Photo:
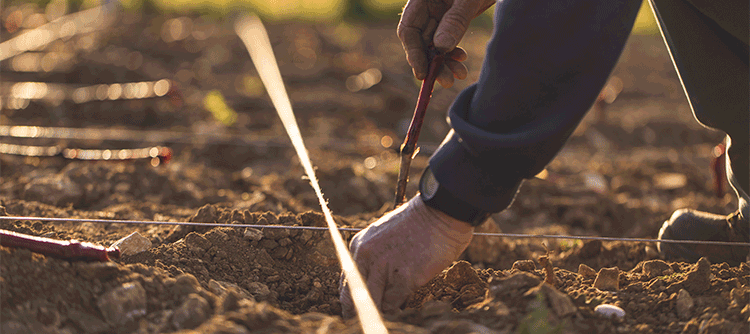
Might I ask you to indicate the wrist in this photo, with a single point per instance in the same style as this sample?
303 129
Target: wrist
436 197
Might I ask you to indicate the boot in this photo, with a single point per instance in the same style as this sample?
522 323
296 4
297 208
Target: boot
686 224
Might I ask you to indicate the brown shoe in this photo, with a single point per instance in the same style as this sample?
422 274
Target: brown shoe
686 224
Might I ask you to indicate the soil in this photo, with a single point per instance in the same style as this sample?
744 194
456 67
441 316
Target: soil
630 164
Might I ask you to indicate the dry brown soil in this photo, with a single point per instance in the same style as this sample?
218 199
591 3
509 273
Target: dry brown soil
622 173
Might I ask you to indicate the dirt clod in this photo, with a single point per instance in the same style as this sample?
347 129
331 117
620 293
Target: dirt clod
586 271
684 304
655 268
193 312
123 304
698 279
524 265
132 244
608 279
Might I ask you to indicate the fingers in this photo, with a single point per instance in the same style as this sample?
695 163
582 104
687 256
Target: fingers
399 288
445 77
457 54
453 25
459 70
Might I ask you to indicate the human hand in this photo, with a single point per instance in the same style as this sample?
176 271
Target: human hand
402 251
443 24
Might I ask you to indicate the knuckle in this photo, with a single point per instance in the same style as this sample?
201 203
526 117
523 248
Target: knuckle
457 22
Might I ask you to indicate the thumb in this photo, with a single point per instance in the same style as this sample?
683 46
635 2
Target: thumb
453 25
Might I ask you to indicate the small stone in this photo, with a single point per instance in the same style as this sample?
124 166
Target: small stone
305 235
698 279
655 268
196 242
285 242
259 290
524 265
608 279
132 244
610 310
460 274
276 233
558 301
586 271
268 244
684 304
279 252
193 312
206 214
123 304
252 234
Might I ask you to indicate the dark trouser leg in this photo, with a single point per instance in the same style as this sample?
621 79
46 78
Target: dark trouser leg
708 42
711 57
545 65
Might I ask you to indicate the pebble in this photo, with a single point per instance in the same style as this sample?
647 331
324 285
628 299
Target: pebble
253 234
684 304
196 242
698 280
132 244
610 310
524 265
608 279
193 312
123 304
460 274
586 271
276 233
259 290
655 268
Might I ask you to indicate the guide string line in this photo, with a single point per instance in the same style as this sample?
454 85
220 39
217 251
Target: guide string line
355 229
252 32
